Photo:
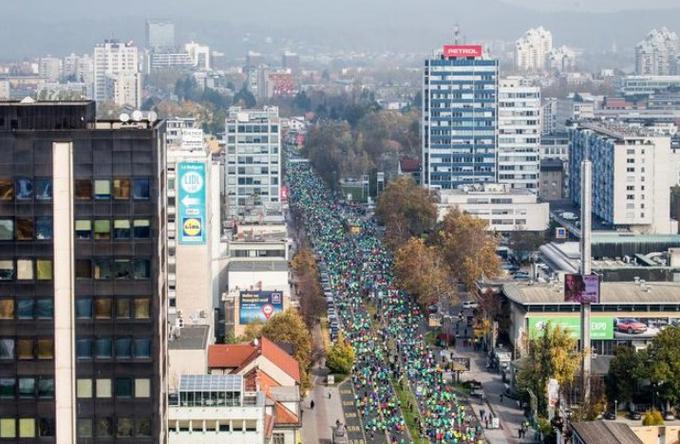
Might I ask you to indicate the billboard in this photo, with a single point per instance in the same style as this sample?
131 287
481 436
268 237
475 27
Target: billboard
582 289
641 327
259 305
191 194
601 327
462 50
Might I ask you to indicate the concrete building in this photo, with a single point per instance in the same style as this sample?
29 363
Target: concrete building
82 303
555 146
647 84
657 54
551 186
532 49
116 74
51 68
167 60
160 36
460 118
291 61
200 56
80 68
253 161
519 133
562 59
503 208
5 91
632 176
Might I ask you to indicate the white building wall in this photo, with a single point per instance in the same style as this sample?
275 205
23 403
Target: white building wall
117 64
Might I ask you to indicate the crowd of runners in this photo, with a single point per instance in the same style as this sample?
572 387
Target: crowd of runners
383 325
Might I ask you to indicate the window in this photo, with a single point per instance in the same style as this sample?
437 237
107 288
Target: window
8 428
43 228
6 229
124 428
83 269
121 188
142 269
24 189
123 348
44 269
44 308
102 268
83 229
25 308
83 189
102 189
144 427
141 188
102 308
46 427
104 427
84 388
121 229
102 229
6 308
24 269
46 388
103 388
25 349
84 348
26 428
123 309
84 308
43 189
6 348
103 348
142 348
121 269
142 388
84 428
123 387
27 388
142 228
142 308
6 270
45 348
24 228
6 189
7 388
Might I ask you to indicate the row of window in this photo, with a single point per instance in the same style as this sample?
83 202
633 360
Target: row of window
118 229
138 188
103 308
26 348
27 387
26 309
105 268
24 188
26 427
104 388
26 270
104 427
108 347
26 228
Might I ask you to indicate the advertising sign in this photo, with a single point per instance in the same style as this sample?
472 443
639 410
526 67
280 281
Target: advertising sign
582 289
641 327
560 233
191 194
601 327
462 50
259 305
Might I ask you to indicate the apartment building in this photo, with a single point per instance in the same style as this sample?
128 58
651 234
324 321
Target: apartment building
116 74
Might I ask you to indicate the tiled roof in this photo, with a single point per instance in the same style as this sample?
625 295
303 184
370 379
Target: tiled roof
283 415
280 358
229 355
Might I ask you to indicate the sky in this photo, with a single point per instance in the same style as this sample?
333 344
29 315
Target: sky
593 5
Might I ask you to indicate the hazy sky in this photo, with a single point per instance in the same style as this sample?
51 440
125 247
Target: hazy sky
593 5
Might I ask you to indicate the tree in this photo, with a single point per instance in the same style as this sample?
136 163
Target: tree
663 356
340 357
551 355
289 327
406 210
245 98
524 243
468 248
653 418
625 370
420 272
252 331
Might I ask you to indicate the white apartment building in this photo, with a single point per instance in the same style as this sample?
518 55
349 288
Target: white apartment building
80 68
253 161
562 59
116 74
199 54
5 92
532 49
657 54
505 209
50 68
519 133
633 173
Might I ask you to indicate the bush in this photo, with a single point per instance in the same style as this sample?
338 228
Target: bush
340 357
652 418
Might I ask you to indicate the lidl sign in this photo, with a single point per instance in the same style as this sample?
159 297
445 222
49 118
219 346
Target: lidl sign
191 194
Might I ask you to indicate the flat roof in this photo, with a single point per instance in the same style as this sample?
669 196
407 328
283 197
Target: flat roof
192 337
45 102
610 293
261 266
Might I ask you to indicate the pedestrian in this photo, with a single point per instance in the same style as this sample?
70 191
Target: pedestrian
311 405
329 395
501 398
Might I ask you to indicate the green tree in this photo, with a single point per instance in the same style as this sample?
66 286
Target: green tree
406 210
290 327
245 98
664 364
468 248
625 370
340 357
524 243
551 355
653 418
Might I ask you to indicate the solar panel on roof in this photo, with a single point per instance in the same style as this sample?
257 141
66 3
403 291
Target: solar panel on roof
211 383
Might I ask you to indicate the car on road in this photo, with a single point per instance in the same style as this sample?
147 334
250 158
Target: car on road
669 416
609 415
630 326
469 305
634 415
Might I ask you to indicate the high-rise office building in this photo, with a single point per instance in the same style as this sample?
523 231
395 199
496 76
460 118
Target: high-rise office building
657 54
81 276
291 61
116 74
519 133
253 161
532 49
460 119
160 36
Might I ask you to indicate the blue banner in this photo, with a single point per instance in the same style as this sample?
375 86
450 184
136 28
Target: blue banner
259 305
192 203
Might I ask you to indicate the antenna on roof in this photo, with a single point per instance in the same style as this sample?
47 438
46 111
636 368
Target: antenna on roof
456 34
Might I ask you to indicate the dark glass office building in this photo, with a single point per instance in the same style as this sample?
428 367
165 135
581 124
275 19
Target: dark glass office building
82 298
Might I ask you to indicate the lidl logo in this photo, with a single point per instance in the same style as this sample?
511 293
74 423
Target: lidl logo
192 227
192 182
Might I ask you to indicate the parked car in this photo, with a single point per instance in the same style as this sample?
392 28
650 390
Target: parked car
634 415
630 326
669 416
609 415
469 305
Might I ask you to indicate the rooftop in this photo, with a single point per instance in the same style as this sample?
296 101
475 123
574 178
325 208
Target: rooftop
211 383
258 266
610 293
618 130
191 337
596 432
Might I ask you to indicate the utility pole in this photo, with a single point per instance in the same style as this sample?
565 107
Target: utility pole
586 258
